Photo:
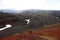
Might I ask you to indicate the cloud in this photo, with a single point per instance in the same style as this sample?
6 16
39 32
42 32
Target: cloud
30 4
53 4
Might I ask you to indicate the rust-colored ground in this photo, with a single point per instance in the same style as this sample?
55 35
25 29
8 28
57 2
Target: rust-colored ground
45 34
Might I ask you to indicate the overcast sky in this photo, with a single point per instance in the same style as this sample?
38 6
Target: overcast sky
30 4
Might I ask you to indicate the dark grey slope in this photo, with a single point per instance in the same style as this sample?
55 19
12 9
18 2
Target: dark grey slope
18 22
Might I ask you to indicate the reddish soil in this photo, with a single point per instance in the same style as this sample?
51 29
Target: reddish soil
50 33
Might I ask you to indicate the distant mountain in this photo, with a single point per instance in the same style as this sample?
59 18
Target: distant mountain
7 10
10 11
55 12
17 11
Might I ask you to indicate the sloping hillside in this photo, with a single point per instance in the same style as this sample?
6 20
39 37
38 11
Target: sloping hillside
45 34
